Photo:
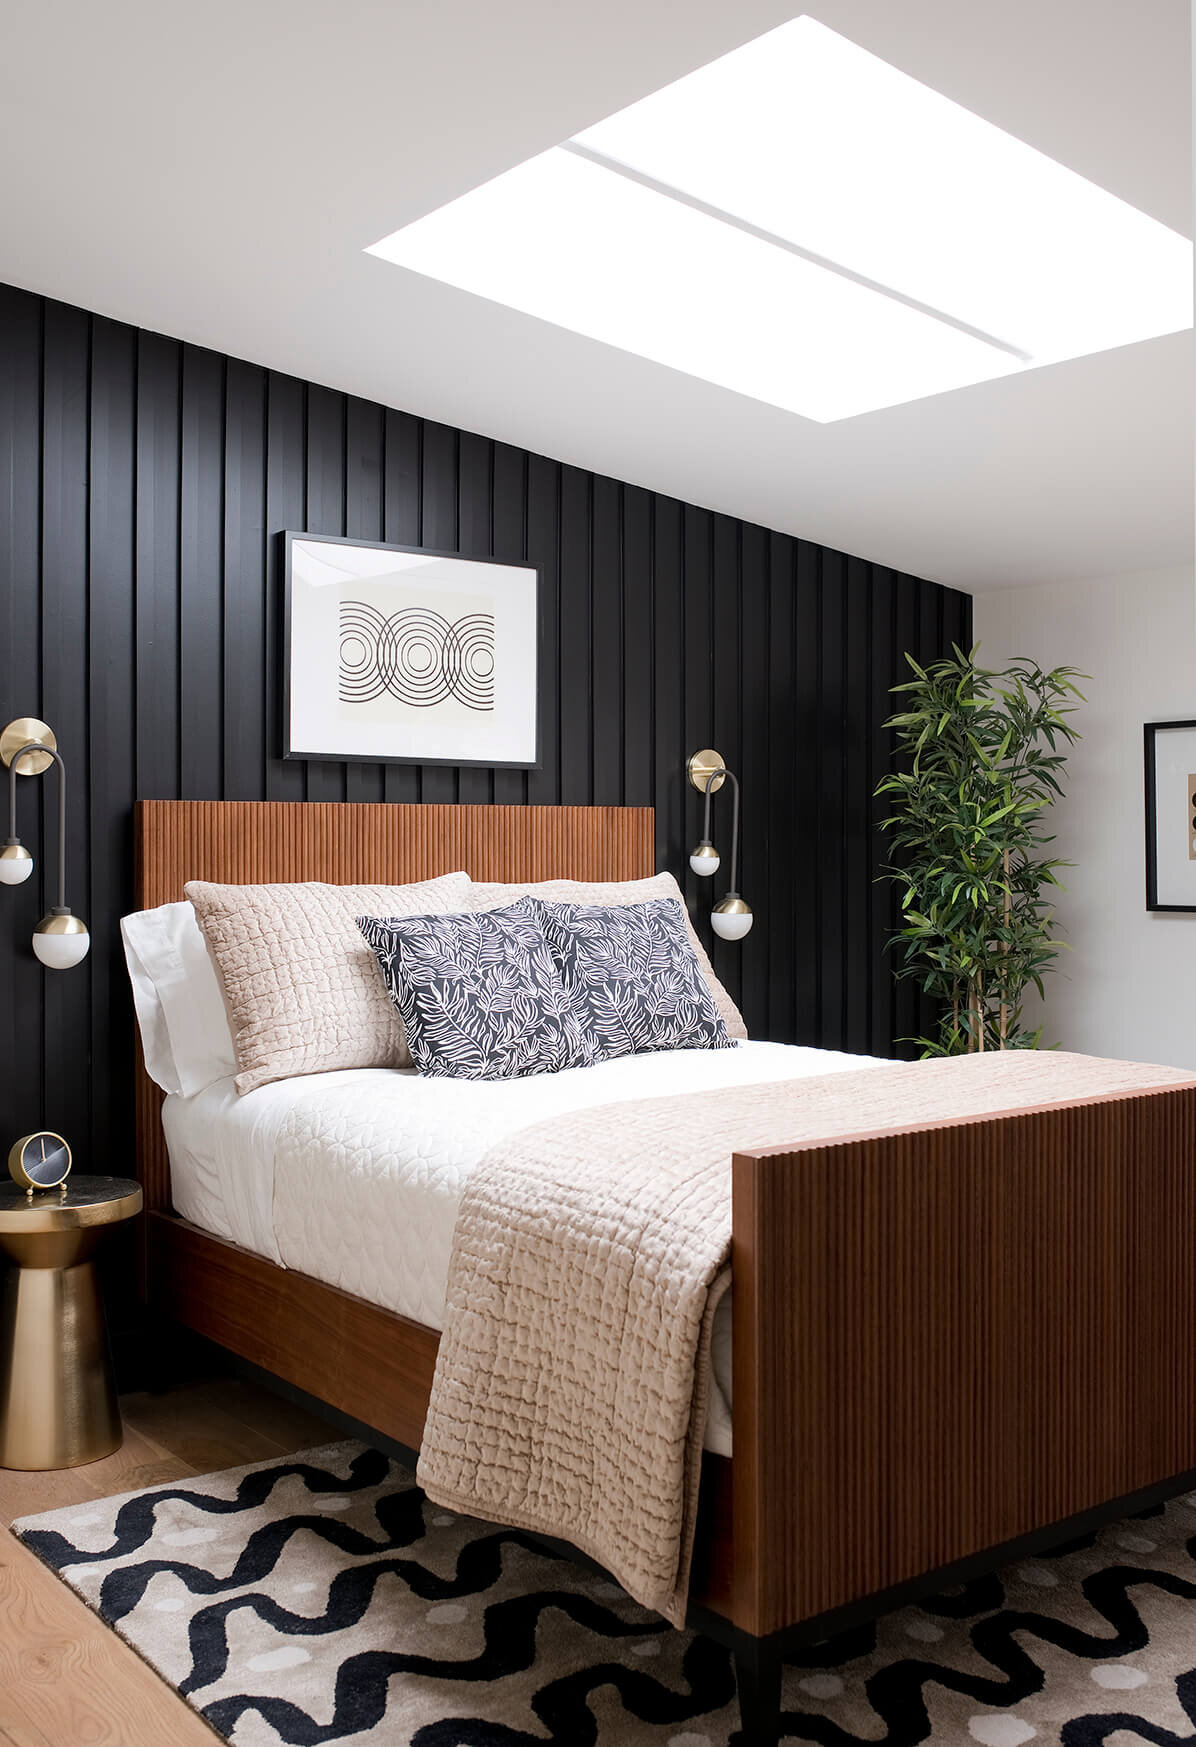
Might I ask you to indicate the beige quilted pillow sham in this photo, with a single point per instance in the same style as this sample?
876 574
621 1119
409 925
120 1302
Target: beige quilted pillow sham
300 984
491 895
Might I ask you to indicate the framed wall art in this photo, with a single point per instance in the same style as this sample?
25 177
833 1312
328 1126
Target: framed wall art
1170 751
401 654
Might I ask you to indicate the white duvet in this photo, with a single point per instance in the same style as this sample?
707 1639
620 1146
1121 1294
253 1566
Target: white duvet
355 1177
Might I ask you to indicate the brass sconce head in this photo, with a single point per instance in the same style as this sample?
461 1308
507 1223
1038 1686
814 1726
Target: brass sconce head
704 858
731 919
16 864
704 765
27 730
60 940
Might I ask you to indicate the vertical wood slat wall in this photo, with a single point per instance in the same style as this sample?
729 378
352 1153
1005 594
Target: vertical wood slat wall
142 483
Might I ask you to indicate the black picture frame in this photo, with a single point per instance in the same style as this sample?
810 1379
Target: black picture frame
287 539
1150 734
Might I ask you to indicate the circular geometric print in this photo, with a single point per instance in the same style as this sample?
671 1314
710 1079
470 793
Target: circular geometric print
416 656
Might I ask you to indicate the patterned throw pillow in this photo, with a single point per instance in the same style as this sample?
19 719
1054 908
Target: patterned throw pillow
634 975
481 995
495 895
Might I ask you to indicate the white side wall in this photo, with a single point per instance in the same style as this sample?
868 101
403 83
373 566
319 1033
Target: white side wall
1127 987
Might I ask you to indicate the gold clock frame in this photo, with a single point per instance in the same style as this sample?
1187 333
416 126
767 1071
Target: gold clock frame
16 1168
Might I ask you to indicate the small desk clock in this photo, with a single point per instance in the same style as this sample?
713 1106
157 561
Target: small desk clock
40 1161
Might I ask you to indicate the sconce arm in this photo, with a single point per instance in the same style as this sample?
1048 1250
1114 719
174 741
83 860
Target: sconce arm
48 752
712 778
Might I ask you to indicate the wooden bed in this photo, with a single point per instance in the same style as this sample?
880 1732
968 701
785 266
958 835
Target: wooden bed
952 1344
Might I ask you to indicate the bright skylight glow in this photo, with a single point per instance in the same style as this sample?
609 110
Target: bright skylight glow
563 239
981 256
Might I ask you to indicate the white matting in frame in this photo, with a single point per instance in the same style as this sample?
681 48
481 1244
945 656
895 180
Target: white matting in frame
1170 749
399 653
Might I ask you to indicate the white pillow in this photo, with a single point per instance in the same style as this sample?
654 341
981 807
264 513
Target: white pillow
185 1032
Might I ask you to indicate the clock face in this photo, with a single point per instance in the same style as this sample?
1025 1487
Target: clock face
40 1160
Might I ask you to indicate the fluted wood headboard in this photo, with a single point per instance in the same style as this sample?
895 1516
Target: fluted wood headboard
358 843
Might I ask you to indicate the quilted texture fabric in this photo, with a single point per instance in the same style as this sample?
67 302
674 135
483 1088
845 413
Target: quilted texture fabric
392 1152
481 995
301 987
492 895
573 1374
636 980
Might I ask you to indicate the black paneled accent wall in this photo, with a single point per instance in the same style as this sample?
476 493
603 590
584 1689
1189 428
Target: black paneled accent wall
142 482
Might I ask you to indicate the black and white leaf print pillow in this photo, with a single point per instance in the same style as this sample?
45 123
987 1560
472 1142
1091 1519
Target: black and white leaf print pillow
635 976
481 996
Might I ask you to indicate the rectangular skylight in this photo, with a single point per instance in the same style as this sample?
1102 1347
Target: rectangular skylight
802 223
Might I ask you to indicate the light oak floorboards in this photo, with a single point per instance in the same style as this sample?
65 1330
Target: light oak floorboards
66 1680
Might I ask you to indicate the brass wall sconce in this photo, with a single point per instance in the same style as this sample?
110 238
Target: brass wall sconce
28 748
730 918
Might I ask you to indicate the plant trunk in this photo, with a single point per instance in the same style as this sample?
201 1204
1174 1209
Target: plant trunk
976 1014
1005 950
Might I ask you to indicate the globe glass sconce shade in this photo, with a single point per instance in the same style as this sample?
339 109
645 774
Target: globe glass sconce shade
61 940
731 919
705 859
16 864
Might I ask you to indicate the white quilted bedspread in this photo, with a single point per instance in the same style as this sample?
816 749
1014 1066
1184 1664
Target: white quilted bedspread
355 1177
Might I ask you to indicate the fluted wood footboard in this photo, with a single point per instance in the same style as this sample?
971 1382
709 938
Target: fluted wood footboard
948 1337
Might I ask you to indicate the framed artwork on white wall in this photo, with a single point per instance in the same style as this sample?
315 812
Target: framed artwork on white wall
1170 752
402 654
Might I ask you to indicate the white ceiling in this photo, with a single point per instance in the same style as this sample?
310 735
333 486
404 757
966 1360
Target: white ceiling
215 172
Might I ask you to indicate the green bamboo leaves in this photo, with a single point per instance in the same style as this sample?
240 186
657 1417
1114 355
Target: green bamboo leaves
978 766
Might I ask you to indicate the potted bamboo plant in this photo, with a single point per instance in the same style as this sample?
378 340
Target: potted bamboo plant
980 761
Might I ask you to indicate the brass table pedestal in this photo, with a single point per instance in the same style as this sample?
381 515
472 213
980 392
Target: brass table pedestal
57 1398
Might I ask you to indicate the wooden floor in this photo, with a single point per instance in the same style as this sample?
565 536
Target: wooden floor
66 1680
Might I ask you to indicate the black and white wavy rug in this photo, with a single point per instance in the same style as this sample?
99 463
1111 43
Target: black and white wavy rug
323 1599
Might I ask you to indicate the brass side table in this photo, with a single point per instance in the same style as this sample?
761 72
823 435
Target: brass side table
57 1397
